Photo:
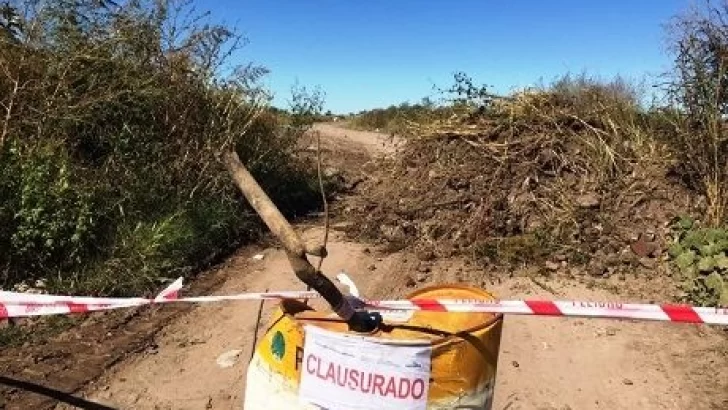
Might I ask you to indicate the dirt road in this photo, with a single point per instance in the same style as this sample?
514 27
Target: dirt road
545 363
374 143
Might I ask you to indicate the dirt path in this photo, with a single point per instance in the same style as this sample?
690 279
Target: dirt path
544 363
374 143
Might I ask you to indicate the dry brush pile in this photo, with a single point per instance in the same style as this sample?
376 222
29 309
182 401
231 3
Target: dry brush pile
573 174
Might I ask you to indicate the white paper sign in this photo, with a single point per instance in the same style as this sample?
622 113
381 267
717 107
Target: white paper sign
348 372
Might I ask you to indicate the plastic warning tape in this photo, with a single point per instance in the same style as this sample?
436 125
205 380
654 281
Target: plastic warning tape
14 304
612 310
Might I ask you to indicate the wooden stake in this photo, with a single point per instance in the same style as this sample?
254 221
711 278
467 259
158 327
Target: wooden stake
295 248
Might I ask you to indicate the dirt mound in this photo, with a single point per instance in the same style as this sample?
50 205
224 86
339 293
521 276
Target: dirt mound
549 184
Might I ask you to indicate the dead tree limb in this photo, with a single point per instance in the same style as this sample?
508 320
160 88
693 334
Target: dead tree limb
295 248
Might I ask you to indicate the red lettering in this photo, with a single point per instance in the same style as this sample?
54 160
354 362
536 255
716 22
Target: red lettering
378 383
308 364
418 389
318 370
32 307
331 373
391 387
353 379
598 305
404 388
341 381
369 383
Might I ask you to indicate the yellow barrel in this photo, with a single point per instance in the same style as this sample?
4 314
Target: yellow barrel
463 349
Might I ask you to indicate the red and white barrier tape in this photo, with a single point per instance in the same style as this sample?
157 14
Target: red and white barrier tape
13 304
611 310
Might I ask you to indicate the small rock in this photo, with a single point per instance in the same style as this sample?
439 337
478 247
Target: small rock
330 172
612 259
627 382
611 331
552 266
425 255
424 267
644 248
367 250
421 277
258 257
590 200
228 359
515 364
648 263
372 267
393 233
410 282
596 268
627 257
560 257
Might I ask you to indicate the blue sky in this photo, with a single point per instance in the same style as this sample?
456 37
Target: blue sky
373 53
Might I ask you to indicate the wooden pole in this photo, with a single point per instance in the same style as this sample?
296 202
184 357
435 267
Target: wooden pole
295 248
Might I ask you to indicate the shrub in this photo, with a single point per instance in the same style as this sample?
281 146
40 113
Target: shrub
699 254
699 92
112 118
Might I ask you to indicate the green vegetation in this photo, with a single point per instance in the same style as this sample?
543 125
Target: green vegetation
396 118
112 118
699 254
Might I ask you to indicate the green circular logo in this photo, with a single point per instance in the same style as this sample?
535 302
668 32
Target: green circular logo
278 346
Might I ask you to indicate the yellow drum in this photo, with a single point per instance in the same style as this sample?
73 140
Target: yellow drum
461 349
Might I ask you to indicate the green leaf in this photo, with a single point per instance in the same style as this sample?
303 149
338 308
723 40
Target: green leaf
710 249
685 223
675 250
724 296
714 282
693 239
723 244
685 259
715 234
721 260
706 264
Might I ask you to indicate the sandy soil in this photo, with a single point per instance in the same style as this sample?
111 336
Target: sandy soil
545 363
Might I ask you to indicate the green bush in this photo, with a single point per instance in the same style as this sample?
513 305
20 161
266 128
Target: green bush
395 118
112 121
699 254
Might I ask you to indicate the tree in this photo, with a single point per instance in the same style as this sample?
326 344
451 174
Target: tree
699 89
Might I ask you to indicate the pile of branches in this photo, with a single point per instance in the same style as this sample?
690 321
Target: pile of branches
559 173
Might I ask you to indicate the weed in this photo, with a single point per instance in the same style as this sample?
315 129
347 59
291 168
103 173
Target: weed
699 254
